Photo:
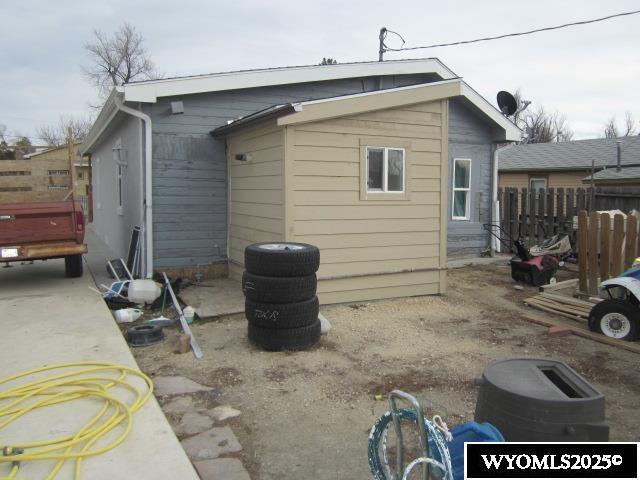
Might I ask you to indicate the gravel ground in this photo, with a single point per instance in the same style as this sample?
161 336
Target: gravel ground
308 414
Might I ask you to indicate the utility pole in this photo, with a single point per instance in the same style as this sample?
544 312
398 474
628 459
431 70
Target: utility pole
381 50
72 165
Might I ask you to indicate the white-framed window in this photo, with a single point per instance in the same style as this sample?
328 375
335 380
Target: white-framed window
385 169
537 183
461 207
120 160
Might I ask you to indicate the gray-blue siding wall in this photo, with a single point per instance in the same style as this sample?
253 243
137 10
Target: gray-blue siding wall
189 166
470 137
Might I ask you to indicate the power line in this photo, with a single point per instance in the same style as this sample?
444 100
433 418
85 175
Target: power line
485 39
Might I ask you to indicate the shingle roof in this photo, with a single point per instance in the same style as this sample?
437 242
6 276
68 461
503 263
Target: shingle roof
573 155
612 173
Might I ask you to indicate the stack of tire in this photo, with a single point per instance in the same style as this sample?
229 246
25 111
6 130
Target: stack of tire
281 305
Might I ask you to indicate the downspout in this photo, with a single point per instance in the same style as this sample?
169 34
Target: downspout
495 206
148 204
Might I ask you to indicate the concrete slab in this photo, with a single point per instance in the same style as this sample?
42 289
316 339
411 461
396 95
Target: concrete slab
49 319
221 468
460 262
167 386
213 298
211 444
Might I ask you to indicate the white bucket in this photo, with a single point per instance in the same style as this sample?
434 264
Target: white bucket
188 313
127 315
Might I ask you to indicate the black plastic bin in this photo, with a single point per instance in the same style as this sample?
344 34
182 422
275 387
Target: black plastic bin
533 400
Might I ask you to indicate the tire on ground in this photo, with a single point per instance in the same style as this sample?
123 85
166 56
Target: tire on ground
278 289
285 339
73 266
282 259
624 308
282 316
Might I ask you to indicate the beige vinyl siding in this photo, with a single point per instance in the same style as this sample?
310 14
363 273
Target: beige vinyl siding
370 249
513 180
256 198
569 179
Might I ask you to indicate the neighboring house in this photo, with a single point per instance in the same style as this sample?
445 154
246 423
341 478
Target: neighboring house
565 164
614 177
154 161
41 176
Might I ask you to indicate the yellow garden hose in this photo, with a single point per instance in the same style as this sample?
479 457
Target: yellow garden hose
70 382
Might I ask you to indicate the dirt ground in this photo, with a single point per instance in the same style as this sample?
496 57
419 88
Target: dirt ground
308 414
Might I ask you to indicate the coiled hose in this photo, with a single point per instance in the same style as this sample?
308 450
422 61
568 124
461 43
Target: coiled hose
70 382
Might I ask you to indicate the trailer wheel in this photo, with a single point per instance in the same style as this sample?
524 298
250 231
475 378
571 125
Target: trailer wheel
73 266
615 318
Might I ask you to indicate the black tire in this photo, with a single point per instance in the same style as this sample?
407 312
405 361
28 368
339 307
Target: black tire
628 315
282 316
73 266
278 289
143 335
285 339
282 259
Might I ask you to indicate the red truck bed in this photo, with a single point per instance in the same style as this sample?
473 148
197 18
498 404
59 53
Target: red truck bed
41 230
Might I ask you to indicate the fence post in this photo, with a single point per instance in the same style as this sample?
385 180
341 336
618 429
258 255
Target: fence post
581 204
540 217
605 246
531 204
583 225
593 253
550 213
618 238
630 244
522 218
560 209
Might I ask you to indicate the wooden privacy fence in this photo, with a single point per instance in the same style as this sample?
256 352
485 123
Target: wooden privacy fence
605 251
536 214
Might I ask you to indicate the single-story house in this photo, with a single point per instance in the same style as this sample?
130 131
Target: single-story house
612 176
357 158
564 164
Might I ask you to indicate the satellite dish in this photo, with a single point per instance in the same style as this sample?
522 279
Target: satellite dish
507 103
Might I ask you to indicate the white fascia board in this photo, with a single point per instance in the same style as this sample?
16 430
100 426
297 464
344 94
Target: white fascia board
325 108
512 132
109 110
149 91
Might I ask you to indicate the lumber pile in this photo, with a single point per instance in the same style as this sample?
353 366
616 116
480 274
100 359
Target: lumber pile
563 305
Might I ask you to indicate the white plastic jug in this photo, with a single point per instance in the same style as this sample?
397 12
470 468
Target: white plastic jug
143 291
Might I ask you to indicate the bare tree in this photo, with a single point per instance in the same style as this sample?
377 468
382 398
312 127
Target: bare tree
56 135
22 146
539 125
611 127
6 153
118 59
543 127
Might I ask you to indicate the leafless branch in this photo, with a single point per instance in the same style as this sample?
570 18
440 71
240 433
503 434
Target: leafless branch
118 59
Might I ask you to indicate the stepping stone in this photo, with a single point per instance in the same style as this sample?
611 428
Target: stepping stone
165 386
211 444
193 422
223 412
179 405
221 468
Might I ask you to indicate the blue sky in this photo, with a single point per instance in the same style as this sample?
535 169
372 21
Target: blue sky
589 73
